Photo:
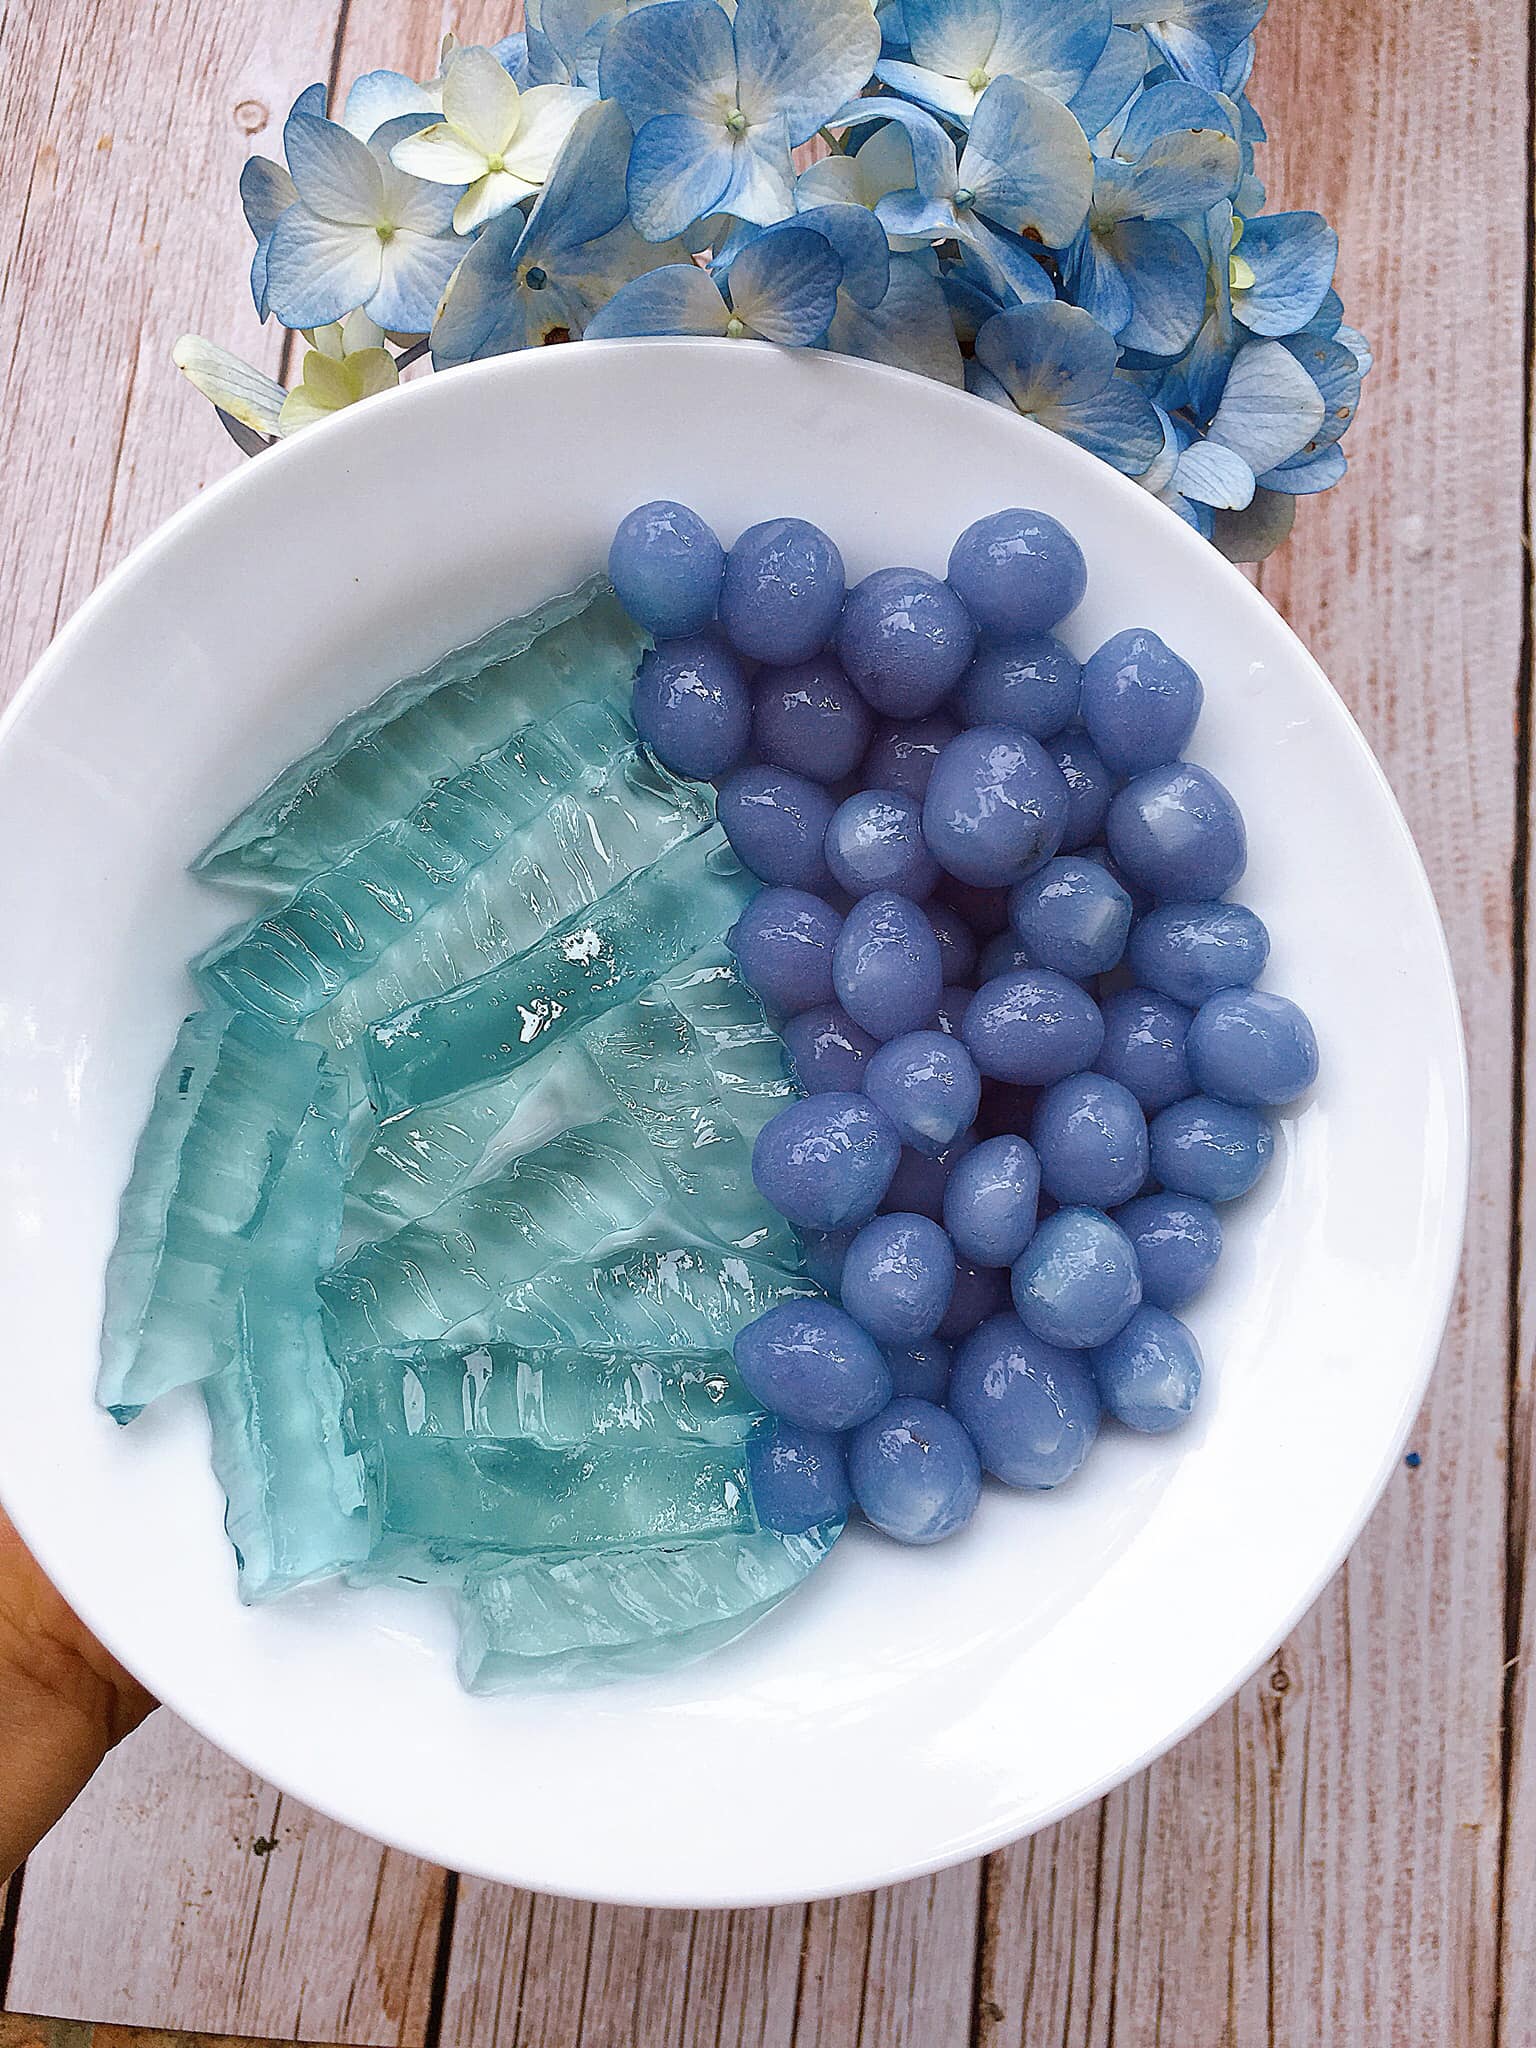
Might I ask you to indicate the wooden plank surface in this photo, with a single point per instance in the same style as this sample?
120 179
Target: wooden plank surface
1322 1863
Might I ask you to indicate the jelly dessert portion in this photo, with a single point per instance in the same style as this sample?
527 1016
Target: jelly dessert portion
585 1620
375 766
584 843
493 1393
228 1106
655 1295
724 1072
453 1272
434 1501
446 1200
585 966
296 1507
295 958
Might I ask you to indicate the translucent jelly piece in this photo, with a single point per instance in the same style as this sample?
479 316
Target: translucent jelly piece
294 960
378 764
294 1489
553 1622
450 1273
415 1162
581 845
654 1296
434 1501
228 1104
743 1051
496 1392
585 966
650 1056
423 1157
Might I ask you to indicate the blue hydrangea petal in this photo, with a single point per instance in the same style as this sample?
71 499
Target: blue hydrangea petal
909 328
311 101
336 176
413 275
1326 319
1028 163
954 98
1166 277
913 217
1007 263
981 383
1166 108
1195 36
511 53
1095 281
546 66
380 96
952 37
675 58
1159 473
802 62
1118 424
1256 531
1048 356
1053 44
1270 408
484 312
784 286
576 31
679 167
1111 85
585 194
677 299
891 18
971 296
933 154
1308 474
1237 69
1214 475
406 201
320 270
859 243
761 187
1333 369
1358 346
266 193
1200 517
1176 177
1292 257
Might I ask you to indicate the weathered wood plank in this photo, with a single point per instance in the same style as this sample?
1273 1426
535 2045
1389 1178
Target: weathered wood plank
1517 1933
878 1971
1319 1863
147 1905
184 1890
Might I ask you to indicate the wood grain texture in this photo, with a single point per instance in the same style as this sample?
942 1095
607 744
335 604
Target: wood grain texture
182 1889
1319 1864
883 1970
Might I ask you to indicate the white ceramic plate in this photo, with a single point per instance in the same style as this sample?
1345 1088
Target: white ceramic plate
908 1708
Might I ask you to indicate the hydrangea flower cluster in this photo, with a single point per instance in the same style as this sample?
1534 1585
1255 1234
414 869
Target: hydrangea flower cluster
1050 203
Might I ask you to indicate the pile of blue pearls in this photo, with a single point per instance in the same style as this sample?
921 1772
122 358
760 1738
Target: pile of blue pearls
996 936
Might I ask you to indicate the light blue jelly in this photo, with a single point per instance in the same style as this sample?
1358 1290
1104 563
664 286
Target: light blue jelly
450 1274
227 1107
582 845
497 1393
587 965
294 1488
553 1622
377 765
293 960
